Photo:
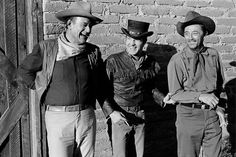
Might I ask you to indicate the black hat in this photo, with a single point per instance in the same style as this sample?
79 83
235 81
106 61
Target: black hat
80 9
193 17
137 29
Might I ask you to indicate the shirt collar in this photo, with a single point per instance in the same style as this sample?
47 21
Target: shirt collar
138 63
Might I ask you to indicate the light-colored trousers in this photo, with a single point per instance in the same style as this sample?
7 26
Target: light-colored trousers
121 135
70 133
196 128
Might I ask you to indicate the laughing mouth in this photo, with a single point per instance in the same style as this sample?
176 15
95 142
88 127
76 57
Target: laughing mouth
192 43
85 35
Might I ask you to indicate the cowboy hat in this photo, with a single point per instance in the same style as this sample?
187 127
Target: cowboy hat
137 29
81 9
193 17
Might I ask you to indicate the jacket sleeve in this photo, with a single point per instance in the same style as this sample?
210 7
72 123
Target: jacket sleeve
175 72
30 66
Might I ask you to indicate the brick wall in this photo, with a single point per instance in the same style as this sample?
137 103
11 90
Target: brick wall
163 15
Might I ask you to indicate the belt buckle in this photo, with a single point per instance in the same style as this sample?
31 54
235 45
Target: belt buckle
193 105
72 108
55 108
203 106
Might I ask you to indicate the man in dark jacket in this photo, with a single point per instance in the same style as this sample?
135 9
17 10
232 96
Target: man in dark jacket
132 75
68 75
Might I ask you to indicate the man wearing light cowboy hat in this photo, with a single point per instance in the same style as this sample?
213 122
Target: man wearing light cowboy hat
68 75
195 79
132 75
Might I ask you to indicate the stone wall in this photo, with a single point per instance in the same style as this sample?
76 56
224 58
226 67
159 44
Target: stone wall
163 16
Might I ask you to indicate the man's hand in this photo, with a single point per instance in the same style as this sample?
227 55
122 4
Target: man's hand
168 100
117 116
158 97
209 99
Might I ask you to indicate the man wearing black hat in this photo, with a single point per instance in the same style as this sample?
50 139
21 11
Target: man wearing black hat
68 75
195 78
132 75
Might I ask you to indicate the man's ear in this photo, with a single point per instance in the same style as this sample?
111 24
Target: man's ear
68 22
145 47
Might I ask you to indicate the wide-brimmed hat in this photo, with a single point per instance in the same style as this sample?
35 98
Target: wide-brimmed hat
137 29
193 17
81 9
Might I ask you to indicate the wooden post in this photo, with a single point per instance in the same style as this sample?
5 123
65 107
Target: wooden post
34 28
30 44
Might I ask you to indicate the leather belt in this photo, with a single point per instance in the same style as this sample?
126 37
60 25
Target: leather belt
72 108
196 105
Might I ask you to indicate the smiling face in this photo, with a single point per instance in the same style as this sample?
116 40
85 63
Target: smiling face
194 35
78 30
134 46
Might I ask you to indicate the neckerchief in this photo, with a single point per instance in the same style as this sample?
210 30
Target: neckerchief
198 59
67 49
138 62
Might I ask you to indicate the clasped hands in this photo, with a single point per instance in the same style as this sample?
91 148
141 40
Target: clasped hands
209 99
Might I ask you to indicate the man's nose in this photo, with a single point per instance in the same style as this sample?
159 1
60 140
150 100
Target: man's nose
189 37
88 29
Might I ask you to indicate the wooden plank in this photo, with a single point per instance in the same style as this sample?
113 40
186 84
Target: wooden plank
25 128
15 141
35 34
22 52
34 136
2 28
3 91
4 105
10 119
11 45
10 21
21 30
5 148
40 19
32 36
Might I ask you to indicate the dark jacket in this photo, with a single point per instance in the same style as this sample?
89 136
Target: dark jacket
40 77
131 86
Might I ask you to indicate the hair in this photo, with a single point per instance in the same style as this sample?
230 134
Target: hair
69 20
144 39
203 29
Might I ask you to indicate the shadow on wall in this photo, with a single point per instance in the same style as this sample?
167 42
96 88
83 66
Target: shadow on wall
160 135
162 53
230 88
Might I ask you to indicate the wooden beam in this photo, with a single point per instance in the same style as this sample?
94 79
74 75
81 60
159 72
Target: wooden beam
25 140
30 36
2 28
21 30
12 116
34 29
